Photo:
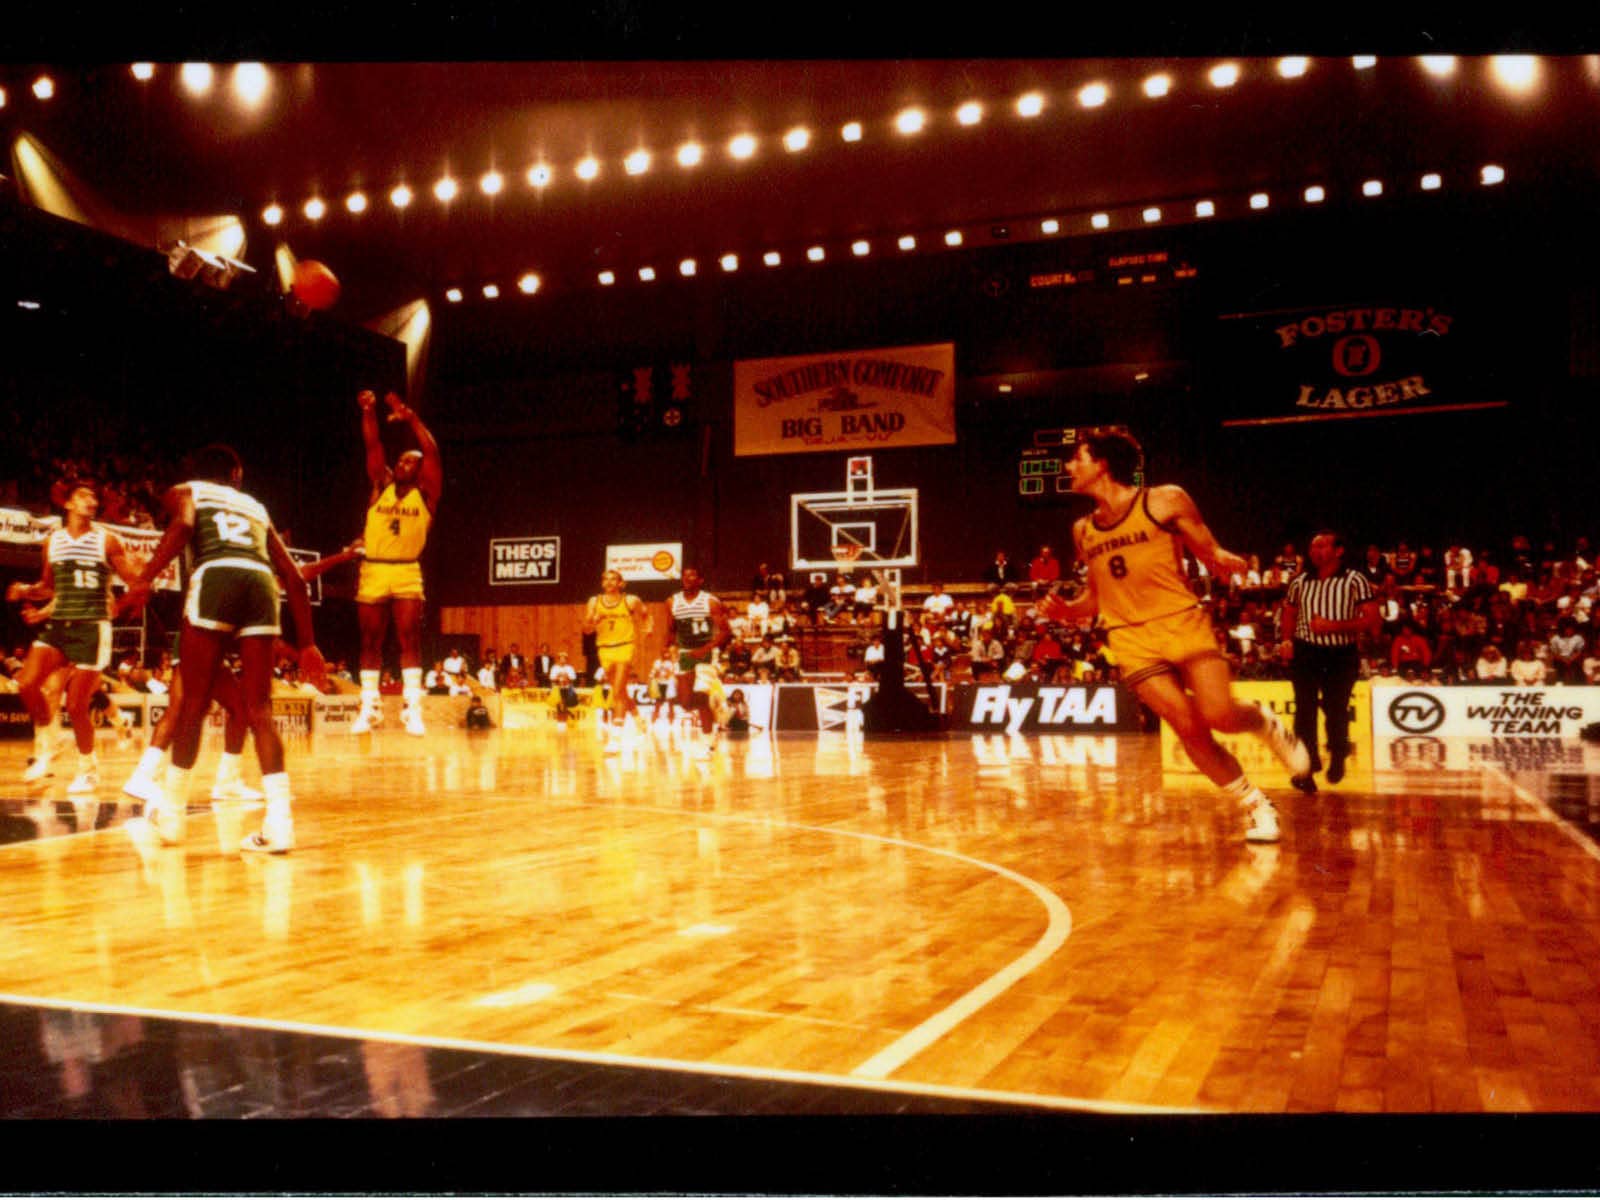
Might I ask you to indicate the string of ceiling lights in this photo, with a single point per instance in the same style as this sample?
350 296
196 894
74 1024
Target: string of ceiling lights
251 82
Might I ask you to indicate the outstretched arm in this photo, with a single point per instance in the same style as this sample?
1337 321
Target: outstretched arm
647 626
45 589
431 478
310 570
1170 505
299 597
179 503
377 468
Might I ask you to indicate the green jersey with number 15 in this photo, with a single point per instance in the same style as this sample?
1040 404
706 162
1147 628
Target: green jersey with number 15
228 524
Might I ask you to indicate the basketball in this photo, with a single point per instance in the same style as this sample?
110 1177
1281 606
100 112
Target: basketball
314 285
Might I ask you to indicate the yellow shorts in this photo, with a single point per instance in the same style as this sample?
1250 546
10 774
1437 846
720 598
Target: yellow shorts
382 581
1163 644
610 656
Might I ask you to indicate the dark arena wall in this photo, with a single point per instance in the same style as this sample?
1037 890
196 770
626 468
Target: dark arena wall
527 398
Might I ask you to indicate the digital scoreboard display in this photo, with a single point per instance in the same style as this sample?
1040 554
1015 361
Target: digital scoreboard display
1042 467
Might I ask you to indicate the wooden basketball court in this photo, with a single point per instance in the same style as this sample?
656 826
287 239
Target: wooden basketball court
1056 923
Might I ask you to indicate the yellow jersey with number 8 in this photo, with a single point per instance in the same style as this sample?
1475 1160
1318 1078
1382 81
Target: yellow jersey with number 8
1136 566
397 526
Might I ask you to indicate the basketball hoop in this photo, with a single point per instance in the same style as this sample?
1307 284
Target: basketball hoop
846 552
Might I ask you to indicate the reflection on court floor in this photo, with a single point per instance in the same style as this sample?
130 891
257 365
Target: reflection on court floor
818 923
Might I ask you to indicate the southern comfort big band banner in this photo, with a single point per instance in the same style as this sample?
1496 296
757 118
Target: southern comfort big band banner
852 400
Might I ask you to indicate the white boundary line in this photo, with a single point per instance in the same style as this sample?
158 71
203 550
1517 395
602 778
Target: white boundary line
897 1054
598 1058
1551 815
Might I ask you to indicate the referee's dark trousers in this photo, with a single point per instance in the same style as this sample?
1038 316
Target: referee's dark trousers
1327 674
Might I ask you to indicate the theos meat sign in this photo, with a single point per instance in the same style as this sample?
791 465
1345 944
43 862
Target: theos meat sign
1360 360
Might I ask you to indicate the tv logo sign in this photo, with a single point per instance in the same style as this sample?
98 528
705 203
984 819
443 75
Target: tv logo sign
1416 712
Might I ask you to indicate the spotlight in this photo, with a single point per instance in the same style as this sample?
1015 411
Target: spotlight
1515 72
356 202
1372 187
1050 226
1157 86
607 278
908 242
491 291
688 267
1316 194
400 196
453 295
196 78
1205 208
1093 95
772 258
1440 66
743 146
588 168
144 72
1100 220
969 113
851 132
646 274
492 183
1152 215
1257 201
637 163
796 139
729 262
1224 75
445 190
953 238
690 153
1294 67
910 121
250 83
1030 105
539 176
44 87
1431 183
1492 175
272 214
315 209
861 249
1364 62
528 284
816 254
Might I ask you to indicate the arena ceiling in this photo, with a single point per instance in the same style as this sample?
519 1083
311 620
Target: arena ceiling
1106 145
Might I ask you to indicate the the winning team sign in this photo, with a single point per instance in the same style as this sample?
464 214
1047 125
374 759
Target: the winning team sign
657 560
853 400
524 560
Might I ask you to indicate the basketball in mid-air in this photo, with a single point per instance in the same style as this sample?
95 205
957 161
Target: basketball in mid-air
314 285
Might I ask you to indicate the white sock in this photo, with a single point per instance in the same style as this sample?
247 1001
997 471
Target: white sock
369 689
411 685
149 763
87 762
1242 790
276 786
228 768
41 742
177 788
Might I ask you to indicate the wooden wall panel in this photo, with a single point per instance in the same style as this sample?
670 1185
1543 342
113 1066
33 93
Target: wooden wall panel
533 625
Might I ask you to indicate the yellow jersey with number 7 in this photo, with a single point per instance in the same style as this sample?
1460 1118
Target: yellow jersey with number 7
397 526
1135 565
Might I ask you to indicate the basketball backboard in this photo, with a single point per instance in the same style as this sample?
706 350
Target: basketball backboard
862 526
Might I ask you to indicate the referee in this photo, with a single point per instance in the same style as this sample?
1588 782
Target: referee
1326 609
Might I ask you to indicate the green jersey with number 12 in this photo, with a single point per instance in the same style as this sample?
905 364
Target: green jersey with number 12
228 524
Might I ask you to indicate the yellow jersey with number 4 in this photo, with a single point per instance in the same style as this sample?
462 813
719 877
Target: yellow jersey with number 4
397 526
1135 565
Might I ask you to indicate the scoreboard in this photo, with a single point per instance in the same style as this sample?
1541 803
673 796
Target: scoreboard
1042 467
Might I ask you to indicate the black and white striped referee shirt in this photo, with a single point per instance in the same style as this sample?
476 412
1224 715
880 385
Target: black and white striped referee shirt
1335 598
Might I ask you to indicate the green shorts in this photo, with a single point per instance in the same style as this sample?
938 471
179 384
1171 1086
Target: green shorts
234 596
85 644
688 662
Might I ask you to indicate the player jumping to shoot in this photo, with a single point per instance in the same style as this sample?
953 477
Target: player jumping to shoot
1133 545
400 510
